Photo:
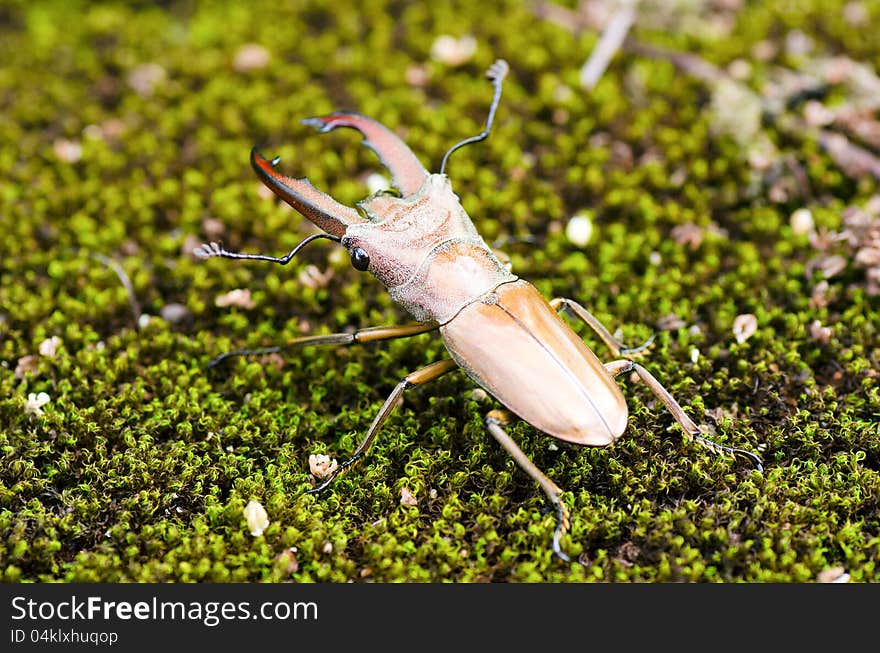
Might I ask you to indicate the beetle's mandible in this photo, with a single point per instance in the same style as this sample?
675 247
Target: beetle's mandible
496 327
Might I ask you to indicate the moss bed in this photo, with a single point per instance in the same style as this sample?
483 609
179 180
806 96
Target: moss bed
124 138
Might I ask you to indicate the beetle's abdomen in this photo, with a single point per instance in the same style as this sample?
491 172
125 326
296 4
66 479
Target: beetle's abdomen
517 347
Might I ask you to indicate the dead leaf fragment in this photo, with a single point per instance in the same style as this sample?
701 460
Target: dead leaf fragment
830 266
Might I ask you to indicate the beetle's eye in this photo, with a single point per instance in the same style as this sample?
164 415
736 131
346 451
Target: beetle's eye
360 259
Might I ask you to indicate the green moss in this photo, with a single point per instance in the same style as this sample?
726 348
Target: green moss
142 462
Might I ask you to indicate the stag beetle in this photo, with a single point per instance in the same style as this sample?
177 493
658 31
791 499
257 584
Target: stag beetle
496 327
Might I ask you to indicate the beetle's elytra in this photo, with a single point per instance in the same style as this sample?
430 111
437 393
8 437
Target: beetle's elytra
496 327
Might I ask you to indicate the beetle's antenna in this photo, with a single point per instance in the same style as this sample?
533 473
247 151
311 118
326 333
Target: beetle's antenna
497 71
208 250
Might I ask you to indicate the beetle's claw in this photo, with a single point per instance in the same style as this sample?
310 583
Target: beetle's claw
407 172
498 70
635 351
323 486
321 124
320 208
208 250
214 362
562 525
720 448
753 458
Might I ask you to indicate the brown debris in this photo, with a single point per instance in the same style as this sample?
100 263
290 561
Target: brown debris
240 297
287 561
858 242
145 78
820 333
312 277
688 234
854 160
251 56
670 322
407 498
26 365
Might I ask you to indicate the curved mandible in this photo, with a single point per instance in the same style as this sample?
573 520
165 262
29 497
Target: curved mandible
407 172
320 208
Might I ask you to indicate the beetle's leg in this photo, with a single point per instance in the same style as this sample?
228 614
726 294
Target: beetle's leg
369 334
212 249
616 368
617 348
496 74
417 378
407 172
494 420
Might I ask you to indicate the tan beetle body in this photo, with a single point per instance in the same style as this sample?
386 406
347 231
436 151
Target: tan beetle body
496 327
500 330
516 346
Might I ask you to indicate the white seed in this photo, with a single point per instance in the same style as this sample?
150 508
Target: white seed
251 56
833 575
452 51
49 346
257 518
802 222
35 402
67 150
744 327
579 229
145 78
